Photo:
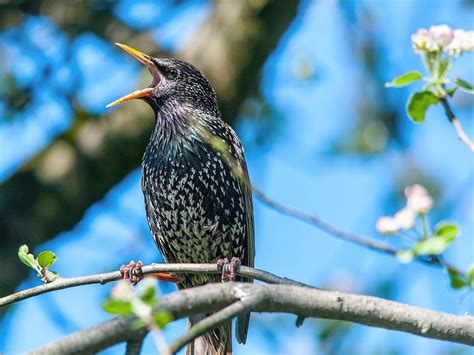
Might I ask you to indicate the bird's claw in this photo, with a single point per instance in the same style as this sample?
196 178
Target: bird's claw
229 268
132 272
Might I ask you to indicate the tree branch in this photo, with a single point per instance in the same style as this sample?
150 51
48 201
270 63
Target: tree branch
347 236
229 312
134 346
104 278
301 301
457 125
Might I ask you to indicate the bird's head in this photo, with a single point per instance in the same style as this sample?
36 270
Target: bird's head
175 83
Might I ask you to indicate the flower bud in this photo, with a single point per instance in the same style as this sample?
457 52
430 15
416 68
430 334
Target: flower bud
414 190
420 40
387 225
405 218
418 199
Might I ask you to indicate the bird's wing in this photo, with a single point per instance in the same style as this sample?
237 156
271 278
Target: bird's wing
233 155
242 324
247 189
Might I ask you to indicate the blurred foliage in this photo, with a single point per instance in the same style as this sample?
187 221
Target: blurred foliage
16 98
378 121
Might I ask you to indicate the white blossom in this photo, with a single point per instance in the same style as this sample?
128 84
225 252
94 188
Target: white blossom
420 40
468 41
463 41
443 38
122 291
142 310
405 218
387 225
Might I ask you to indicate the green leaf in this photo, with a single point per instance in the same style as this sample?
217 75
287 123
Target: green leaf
116 306
434 245
162 319
418 103
46 259
405 256
404 79
451 91
137 324
447 231
28 259
455 281
23 249
148 295
463 85
470 273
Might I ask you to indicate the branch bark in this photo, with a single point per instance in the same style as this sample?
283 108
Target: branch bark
229 312
104 278
134 346
298 300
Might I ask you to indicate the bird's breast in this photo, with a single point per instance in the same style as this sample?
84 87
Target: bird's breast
194 205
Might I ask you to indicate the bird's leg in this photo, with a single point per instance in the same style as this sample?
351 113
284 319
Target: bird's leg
229 268
222 265
234 267
132 271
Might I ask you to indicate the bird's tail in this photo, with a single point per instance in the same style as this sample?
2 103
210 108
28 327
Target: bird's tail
215 342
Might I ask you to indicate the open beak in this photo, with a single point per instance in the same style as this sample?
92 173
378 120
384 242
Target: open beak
145 59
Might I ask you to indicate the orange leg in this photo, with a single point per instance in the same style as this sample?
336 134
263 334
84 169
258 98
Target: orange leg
167 277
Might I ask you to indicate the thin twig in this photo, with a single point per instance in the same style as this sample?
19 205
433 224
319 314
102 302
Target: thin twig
457 125
341 234
63 283
160 341
212 321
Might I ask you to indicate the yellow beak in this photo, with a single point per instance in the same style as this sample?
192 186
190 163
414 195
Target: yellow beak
142 58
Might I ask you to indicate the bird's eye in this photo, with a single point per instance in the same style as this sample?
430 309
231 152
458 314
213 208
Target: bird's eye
172 73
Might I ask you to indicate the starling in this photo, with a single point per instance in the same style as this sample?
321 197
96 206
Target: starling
195 183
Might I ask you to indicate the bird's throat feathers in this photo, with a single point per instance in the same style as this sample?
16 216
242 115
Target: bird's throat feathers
178 132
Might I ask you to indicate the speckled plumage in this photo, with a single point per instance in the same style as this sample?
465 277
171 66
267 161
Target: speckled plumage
195 183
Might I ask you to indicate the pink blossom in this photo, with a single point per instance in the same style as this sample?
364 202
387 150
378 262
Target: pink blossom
441 35
414 190
418 199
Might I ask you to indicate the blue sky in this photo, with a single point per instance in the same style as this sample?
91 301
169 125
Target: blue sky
346 190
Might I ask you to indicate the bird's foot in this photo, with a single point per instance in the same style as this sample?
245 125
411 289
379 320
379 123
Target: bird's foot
228 268
132 272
